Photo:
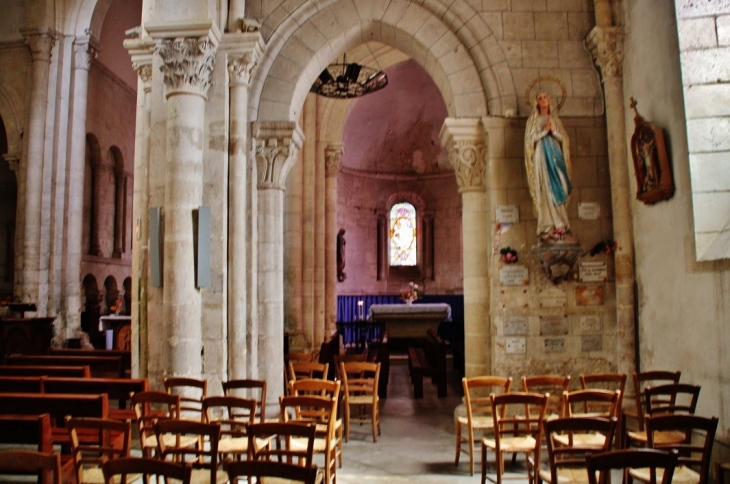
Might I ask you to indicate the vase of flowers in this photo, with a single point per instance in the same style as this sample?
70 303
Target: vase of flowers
409 293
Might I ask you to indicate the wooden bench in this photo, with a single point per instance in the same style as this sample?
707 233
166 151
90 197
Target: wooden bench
418 368
436 350
100 366
27 430
125 355
118 389
44 370
57 406
21 384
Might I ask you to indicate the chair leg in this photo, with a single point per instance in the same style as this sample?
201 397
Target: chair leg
471 452
347 423
484 463
458 444
374 423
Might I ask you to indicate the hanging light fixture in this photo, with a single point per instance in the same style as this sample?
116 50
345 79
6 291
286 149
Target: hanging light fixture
345 81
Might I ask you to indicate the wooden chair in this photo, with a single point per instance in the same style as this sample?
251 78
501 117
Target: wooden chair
566 454
694 453
192 392
721 468
360 380
307 369
172 436
578 403
673 398
25 462
272 441
478 418
314 410
600 465
517 430
134 466
555 385
94 441
612 382
641 380
323 388
248 388
233 415
149 407
261 469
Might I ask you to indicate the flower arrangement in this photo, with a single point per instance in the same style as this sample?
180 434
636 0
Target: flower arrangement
117 306
508 255
409 293
607 246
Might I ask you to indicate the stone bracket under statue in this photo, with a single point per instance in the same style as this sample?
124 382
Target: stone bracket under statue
557 258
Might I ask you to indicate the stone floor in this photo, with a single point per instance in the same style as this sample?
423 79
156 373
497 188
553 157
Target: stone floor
417 439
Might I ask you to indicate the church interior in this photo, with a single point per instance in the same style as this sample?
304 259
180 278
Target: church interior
208 187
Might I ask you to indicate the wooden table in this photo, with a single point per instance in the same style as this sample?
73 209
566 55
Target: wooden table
410 321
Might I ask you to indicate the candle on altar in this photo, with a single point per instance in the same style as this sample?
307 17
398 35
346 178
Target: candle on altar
360 309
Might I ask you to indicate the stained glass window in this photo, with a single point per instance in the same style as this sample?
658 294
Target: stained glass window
403 235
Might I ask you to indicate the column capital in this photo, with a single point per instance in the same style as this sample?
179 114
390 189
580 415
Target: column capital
332 158
187 64
41 42
276 146
465 140
13 161
84 52
140 50
244 51
607 48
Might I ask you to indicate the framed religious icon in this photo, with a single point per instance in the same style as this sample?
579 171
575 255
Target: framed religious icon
654 181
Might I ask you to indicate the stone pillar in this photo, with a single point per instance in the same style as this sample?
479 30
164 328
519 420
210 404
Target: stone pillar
187 66
41 44
83 53
120 182
242 58
606 45
332 157
465 141
276 146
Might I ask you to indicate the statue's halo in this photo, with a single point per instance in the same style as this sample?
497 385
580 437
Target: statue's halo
552 85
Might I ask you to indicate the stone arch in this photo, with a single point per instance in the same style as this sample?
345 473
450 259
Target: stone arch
90 313
316 32
114 155
8 209
127 285
111 292
10 107
92 166
87 16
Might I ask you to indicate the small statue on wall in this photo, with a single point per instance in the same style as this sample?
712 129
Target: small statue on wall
651 165
341 276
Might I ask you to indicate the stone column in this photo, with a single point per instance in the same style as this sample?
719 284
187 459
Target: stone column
241 62
465 141
83 53
187 66
41 44
606 45
276 146
119 184
332 157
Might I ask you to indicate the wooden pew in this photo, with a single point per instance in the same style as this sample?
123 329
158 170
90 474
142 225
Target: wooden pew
44 370
435 349
117 389
125 355
27 430
100 366
21 384
57 406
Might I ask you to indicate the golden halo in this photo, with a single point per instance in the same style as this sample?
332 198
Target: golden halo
549 84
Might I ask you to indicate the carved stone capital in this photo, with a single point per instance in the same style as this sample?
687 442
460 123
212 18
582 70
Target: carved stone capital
465 141
607 48
240 68
13 161
332 157
41 44
144 71
276 147
187 64
84 51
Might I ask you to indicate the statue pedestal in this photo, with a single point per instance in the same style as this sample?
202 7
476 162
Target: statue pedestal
557 259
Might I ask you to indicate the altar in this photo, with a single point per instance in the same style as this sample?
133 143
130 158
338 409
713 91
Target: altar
117 331
410 321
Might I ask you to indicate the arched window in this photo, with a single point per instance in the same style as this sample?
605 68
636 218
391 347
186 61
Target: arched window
403 235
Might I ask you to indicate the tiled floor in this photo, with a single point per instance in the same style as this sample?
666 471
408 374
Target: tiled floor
417 442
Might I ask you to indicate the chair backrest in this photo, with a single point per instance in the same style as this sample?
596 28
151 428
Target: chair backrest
671 398
573 455
555 385
151 406
519 414
693 452
96 440
650 378
248 388
347 358
232 414
192 392
315 387
171 443
477 394
628 459
271 441
360 378
134 466
261 469
604 381
593 403
23 462
307 369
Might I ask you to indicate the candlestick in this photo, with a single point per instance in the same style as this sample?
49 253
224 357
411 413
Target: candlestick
360 309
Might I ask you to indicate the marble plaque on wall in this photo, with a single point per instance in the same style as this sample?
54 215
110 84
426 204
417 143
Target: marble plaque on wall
593 271
589 211
589 295
515 346
508 214
515 325
553 325
590 324
553 298
591 342
554 345
514 275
